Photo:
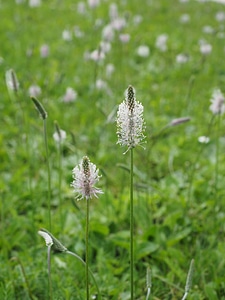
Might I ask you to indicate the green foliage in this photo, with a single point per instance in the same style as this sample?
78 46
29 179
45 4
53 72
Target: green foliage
179 205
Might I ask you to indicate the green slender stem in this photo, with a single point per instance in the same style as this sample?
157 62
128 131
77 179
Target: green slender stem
87 250
148 282
131 228
49 274
49 174
217 155
60 183
187 98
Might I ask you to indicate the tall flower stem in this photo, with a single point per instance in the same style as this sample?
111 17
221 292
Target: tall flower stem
49 173
131 227
60 184
49 273
43 115
87 249
217 154
130 126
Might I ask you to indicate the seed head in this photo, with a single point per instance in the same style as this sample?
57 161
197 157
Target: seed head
130 123
11 80
85 176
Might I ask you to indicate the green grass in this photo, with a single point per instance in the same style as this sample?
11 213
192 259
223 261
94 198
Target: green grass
173 224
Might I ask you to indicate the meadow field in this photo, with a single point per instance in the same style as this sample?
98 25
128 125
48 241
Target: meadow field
77 58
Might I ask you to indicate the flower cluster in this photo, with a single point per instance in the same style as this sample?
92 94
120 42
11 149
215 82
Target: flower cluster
217 107
85 176
130 123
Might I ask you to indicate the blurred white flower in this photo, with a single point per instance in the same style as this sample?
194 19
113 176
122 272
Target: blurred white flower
220 16
182 58
113 11
48 239
93 3
207 29
70 95
34 3
108 33
97 55
105 46
179 121
185 18
124 38
203 139
118 23
137 19
130 123
59 136
98 23
44 51
34 90
85 176
143 51
81 8
109 69
217 102
205 48
67 35
101 84
161 42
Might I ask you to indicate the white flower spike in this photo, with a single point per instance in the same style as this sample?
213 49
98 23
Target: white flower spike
47 238
218 103
85 176
130 123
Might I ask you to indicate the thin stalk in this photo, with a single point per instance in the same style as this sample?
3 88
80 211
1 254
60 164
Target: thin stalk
49 273
185 296
60 183
59 152
148 282
189 279
49 174
217 154
190 87
131 228
87 249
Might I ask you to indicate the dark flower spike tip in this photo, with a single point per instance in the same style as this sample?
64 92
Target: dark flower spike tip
40 108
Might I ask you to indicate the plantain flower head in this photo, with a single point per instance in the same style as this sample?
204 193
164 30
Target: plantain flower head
85 176
11 80
217 103
47 237
130 122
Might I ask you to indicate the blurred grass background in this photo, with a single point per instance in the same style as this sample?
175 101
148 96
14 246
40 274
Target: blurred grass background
178 211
